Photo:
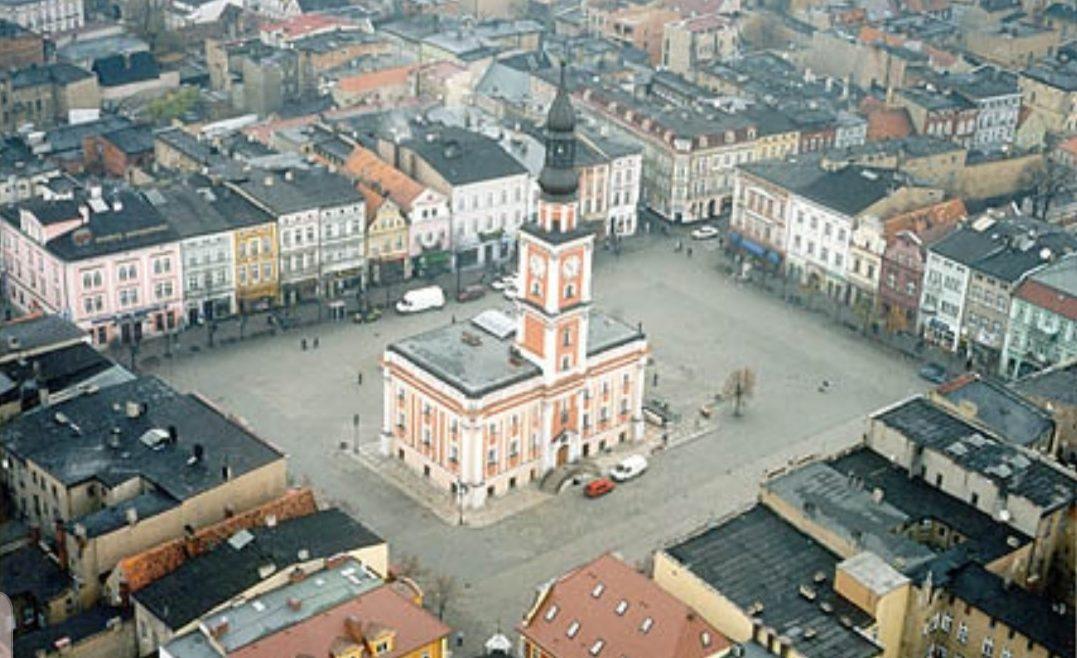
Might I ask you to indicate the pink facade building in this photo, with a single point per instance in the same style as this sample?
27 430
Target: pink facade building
112 266
482 407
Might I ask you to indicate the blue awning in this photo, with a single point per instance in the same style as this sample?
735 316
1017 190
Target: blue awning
753 247
774 257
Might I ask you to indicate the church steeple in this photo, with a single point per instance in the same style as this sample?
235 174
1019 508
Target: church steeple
559 180
555 257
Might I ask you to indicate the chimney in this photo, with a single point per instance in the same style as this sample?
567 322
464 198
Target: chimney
133 409
294 604
877 495
84 212
354 627
220 628
226 473
288 175
173 434
117 205
198 453
131 514
297 575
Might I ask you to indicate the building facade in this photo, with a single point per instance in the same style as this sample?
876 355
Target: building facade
44 16
1042 331
111 266
483 407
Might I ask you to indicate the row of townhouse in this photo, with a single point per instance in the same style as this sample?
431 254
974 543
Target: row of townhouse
127 265
823 227
983 295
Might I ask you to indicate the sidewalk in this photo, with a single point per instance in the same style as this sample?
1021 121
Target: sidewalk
445 507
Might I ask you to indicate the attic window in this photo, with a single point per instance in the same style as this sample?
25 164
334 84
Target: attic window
705 639
551 612
573 629
646 625
597 646
597 591
622 607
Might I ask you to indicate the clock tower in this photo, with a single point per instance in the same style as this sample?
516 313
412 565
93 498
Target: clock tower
555 257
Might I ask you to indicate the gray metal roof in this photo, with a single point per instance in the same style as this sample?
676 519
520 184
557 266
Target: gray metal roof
478 367
32 334
73 441
758 558
1005 413
1016 471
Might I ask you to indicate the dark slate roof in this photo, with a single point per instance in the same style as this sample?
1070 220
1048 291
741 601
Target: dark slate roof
110 519
1058 384
1006 249
29 570
133 140
986 539
1015 471
1008 415
1015 607
76 629
117 70
849 190
477 370
462 157
79 450
66 138
136 225
203 583
756 557
60 73
36 333
187 144
59 369
195 210
49 212
308 189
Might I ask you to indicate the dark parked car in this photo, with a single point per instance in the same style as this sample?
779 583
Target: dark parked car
934 373
471 293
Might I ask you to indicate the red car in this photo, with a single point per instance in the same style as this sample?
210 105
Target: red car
599 487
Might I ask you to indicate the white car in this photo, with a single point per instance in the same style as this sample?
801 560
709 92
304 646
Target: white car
705 233
507 281
628 468
421 299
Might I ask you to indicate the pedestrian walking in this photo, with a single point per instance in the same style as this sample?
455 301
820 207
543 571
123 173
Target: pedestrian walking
654 378
303 344
689 252
315 342
359 378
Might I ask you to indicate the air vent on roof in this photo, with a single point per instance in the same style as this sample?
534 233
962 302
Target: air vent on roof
61 418
155 438
808 592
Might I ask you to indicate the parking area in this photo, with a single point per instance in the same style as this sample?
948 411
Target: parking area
701 326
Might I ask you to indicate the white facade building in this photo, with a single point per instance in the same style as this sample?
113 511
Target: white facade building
44 16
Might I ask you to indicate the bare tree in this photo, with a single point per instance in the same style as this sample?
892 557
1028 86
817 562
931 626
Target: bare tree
147 19
443 590
1046 183
409 566
739 386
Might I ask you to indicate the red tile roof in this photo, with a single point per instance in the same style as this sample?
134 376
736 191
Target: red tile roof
888 124
358 622
1048 298
929 222
143 568
306 24
606 609
371 170
364 82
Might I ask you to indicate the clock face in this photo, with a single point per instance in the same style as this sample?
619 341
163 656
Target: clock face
538 266
571 267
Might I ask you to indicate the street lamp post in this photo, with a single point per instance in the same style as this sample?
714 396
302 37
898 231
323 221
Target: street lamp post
355 433
461 492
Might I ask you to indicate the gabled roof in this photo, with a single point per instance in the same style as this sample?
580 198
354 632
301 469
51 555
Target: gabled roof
204 582
368 168
1006 414
34 332
117 70
1053 288
609 610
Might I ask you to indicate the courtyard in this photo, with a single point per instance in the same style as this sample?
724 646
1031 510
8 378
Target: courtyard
701 325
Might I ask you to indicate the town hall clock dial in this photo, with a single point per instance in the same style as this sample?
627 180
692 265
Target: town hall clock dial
571 266
538 266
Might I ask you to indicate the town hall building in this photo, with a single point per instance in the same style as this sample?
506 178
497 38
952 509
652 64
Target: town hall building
484 406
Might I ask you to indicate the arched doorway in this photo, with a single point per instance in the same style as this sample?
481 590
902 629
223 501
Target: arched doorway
562 455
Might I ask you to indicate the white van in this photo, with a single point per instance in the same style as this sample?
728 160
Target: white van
629 467
421 299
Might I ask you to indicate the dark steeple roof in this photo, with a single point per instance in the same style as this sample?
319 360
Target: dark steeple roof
558 179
